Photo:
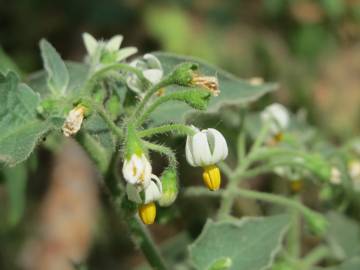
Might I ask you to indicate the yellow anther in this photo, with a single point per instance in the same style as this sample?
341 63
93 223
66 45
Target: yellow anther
296 185
279 137
147 213
212 177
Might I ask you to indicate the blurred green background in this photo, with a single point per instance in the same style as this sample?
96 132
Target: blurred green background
310 47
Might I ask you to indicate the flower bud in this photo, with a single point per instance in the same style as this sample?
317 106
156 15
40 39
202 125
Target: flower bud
147 213
317 223
169 187
73 121
183 74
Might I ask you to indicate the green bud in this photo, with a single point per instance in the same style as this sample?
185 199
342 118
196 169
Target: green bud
318 166
114 106
317 223
197 98
169 187
183 74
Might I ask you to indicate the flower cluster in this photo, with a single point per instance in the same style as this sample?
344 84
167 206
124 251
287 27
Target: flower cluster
145 77
203 149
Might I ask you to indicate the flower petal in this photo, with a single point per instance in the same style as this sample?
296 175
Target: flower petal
114 43
188 151
153 75
153 191
125 53
152 61
219 149
133 193
90 43
201 150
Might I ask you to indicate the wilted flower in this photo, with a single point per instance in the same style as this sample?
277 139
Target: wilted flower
137 170
278 118
205 149
210 83
108 51
151 69
73 121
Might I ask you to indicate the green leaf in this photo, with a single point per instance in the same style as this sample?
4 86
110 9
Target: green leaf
78 73
57 73
7 64
343 236
233 90
20 128
15 186
249 243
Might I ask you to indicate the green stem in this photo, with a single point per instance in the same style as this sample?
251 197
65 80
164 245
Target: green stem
118 66
179 129
147 97
140 233
163 150
294 235
142 237
107 119
251 194
315 256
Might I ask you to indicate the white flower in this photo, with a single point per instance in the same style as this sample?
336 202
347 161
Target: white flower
206 147
278 116
73 121
335 176
151 69
151 193
137 170
109 50
354 172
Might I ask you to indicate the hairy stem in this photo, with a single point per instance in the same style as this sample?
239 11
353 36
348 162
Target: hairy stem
163 150
179 129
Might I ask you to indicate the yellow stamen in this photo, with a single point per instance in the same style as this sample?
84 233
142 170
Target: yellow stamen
279 137
296 185
212 177
147 213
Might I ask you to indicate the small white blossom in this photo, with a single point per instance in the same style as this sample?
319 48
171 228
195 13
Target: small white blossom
278 116
137 170
206 147
335 176
73 121
354 172
152 192
108 50
151 69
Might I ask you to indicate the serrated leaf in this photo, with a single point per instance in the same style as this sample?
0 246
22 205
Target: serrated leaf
57 73
15 186
250 243
343 236
233 90
20 128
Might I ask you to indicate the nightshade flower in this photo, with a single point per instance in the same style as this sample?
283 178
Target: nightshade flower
73 121
205 149
146 197
151 69
109 51
137 170
278 118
